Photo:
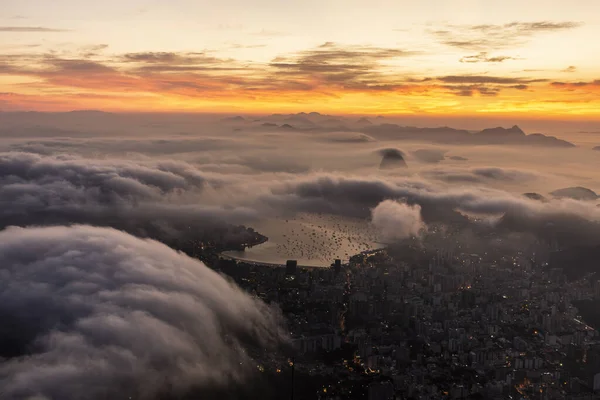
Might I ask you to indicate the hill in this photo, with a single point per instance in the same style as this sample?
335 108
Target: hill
576 193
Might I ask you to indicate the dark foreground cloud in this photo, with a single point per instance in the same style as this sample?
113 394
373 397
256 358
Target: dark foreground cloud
94 313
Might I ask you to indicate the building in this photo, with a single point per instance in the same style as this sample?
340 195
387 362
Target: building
337 265
290 267
381 391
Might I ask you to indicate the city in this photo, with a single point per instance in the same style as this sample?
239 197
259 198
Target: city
402 323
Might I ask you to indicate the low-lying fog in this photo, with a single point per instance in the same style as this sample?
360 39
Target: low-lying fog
319 187
309 182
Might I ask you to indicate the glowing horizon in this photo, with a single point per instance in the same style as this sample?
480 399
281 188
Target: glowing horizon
468 58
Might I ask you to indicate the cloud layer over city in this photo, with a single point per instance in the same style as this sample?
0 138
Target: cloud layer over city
109 299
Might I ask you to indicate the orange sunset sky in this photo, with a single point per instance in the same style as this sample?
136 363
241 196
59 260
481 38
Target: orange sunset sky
439 57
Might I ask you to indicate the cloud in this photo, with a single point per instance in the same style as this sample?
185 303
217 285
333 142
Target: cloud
61 66
230 178
245 46
489 36
156 199
468 85
95 313
572 222
92 50
328 71
570 68
68 189
154 62
30 29
483 57
397 221
501 80
483 175
432 156
504 174
269 33
352 67
576 85
348 137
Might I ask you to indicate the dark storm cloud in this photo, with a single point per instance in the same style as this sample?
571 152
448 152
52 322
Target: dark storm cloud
490 36
30 29
93 313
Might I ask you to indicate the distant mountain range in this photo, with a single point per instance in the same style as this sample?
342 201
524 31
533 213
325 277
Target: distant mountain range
498 135
387 131
375 127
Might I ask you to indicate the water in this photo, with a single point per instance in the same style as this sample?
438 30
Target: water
312 239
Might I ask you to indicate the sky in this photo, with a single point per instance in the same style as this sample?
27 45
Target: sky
534 59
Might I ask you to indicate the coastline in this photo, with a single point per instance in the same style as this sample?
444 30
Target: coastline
301 263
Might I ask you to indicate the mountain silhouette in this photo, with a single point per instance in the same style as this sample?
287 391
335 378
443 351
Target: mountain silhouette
392 159
576 193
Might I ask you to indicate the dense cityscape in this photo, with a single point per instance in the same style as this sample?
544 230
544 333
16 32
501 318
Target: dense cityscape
406 322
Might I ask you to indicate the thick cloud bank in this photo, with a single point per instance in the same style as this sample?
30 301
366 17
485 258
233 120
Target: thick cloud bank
569 221
150 198
94 313
397 221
